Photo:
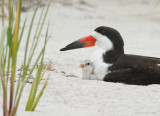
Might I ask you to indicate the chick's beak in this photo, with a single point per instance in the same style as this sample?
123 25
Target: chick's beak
81 66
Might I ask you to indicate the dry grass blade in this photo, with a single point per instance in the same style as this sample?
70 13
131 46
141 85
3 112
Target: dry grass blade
46 68
14 54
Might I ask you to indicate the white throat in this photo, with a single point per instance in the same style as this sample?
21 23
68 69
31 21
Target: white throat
87 72
103 42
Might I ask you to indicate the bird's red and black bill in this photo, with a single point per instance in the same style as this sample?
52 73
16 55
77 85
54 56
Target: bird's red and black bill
88 41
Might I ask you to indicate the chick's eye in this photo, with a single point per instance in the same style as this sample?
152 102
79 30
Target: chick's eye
87 64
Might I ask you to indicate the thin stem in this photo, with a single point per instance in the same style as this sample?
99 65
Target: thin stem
14 54
5 112
2 9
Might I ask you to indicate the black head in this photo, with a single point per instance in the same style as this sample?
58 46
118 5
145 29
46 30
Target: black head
111 34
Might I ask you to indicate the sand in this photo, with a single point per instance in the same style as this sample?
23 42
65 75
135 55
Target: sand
72 96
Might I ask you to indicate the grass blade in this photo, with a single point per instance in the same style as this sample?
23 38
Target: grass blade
34 87
38 36
39 95
36 81
21 35
28 38
9 48
3 35
14 53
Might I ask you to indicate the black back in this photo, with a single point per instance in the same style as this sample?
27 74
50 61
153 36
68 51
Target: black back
132 69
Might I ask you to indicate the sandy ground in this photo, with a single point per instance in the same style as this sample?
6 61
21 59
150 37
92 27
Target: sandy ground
72 96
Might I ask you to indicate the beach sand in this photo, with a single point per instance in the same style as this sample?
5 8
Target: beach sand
66 93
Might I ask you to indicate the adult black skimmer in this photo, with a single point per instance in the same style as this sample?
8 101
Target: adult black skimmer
110 62
87 70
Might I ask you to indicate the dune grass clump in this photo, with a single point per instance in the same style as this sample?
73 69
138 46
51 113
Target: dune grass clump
11 37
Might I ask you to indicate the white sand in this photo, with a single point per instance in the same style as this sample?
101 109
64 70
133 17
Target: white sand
66 96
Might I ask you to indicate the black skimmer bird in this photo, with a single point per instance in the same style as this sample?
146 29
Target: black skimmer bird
110 62
87 70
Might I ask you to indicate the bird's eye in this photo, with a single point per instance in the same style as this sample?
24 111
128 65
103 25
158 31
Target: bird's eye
87 64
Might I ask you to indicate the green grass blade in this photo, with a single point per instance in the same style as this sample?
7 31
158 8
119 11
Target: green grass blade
2 9
9 54
21 35
35 35
2 40
30 58
35 84
19 80
36 80
3 35
45 70
9 41
10 37
39 95
38 36
34 88
33 67
44 18
18 86
28 38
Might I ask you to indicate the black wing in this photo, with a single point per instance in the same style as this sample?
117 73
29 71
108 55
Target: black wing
132 69
151 59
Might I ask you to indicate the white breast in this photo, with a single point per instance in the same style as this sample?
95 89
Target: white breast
100 67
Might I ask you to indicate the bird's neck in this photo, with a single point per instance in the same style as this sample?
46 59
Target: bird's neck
112 56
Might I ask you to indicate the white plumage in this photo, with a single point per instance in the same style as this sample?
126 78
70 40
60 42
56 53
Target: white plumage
87 70
103 44
100 67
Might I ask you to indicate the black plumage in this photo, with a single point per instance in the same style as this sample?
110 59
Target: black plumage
129 69
132 69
